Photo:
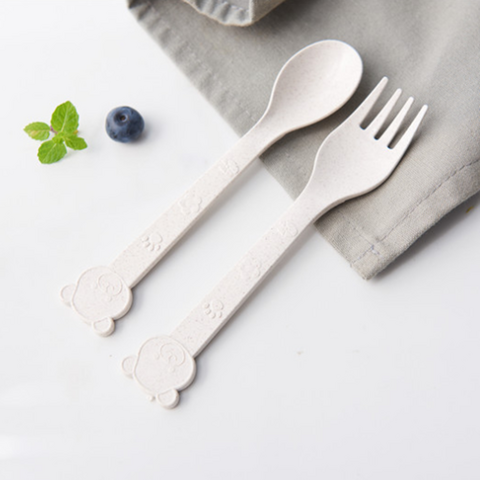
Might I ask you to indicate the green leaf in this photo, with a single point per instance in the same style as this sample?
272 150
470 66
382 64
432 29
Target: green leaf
64 125
74 142
65 118
51 151
38 130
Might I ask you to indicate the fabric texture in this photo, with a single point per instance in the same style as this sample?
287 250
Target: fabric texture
429 48
235 12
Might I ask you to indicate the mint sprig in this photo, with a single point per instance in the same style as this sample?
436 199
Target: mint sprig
64 126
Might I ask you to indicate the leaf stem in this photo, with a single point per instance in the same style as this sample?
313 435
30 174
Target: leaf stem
54 131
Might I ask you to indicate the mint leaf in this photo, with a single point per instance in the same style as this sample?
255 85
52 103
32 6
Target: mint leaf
74 142
51 151
64 125
65 118
38 130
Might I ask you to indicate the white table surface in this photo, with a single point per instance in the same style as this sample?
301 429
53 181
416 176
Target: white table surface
320 375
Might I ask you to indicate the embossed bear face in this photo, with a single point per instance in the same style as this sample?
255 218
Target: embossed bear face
162 367
100 295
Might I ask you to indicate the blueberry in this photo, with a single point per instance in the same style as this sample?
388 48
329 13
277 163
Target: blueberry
124 124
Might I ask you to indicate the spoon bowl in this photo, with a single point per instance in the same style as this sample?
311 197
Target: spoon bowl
313 84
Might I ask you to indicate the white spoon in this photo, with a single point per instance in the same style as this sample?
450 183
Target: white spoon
312 85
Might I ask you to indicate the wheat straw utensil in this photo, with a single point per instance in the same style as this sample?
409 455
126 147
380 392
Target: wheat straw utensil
350 162
312 85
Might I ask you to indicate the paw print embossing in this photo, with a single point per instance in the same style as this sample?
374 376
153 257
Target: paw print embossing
251 268
287 229
190 204
213 309
152 242
229 167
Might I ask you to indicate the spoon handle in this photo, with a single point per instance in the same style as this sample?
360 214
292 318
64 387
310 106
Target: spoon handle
165 365
153 244
103 294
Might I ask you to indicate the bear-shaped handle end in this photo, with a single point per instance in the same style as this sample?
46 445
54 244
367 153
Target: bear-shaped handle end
162 368
100 296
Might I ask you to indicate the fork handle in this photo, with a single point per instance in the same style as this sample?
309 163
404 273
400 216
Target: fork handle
165 365
150 247
203 323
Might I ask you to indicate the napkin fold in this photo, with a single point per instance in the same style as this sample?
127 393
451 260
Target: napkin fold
430 49
235 12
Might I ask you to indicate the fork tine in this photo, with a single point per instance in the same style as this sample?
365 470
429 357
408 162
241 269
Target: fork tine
377 123
407 137
362 110
392 129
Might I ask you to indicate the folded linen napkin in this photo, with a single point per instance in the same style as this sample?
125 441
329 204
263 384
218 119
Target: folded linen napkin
430 48
235 12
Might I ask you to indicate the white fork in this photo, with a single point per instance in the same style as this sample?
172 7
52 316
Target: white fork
349 163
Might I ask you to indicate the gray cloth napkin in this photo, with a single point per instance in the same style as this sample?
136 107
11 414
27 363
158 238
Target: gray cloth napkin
235 12
429 48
